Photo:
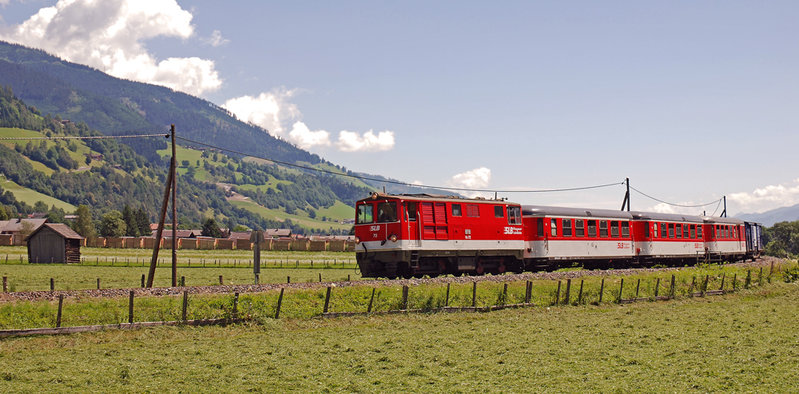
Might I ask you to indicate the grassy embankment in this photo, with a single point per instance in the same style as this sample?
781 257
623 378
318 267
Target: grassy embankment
305 303
738 342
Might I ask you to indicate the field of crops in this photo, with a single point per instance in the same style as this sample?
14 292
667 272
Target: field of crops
737 342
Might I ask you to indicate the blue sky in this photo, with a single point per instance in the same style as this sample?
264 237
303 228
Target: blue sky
691 100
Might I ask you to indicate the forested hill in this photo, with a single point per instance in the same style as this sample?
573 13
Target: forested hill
116 106
107 175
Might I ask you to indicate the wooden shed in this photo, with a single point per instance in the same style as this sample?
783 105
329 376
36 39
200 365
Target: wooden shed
54 243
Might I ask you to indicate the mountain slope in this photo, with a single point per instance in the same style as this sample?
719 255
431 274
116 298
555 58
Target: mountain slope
117 106
769 218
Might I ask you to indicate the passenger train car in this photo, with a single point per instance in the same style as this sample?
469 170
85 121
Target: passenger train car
420 234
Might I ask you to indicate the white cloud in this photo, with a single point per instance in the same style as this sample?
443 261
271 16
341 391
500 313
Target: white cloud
766 198
216 39
271 110
305 138
281 118
349 141
109 36
478 178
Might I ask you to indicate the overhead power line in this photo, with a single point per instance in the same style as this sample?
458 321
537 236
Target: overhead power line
90 137
398 182
676 205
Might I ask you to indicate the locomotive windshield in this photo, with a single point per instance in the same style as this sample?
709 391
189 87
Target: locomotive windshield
365 214
387 212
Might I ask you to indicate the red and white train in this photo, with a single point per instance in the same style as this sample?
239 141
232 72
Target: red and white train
419 234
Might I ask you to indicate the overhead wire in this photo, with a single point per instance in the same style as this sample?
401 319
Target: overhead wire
393 182
677 205
88 137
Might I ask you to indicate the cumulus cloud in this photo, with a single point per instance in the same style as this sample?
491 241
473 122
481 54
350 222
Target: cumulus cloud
109 36
349 141
301 135
216 39
275 112
766 198
478 178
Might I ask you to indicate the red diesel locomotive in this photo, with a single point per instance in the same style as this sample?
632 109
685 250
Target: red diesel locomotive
420 234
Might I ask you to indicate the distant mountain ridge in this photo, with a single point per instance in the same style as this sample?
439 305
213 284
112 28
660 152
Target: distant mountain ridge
769 218
117 106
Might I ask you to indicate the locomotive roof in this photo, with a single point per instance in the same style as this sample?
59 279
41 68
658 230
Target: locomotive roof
435 197
540 210
666 216
711 219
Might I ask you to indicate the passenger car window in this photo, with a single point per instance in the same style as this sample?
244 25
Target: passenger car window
671 230
592 228
387 212
567 227
365 213
579 228
693 231
625 229
663 231
603 228
614 229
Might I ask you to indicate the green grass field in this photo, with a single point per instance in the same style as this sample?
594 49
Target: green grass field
276 214
31 196
738 342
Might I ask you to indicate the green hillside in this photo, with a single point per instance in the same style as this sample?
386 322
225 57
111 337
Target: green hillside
32 197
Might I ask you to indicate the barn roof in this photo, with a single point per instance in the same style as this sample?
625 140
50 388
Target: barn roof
60 228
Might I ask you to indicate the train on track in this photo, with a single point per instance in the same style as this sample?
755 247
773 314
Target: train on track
412 235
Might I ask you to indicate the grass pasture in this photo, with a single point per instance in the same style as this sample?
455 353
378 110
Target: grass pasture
737 342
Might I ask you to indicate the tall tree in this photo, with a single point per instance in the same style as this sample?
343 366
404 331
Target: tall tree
112 224
142 222
131 227
84 225
211 229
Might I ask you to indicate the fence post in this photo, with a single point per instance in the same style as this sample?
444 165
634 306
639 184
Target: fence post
257 278
60 305
404 297
693 283
704 285
748 279
130 308
672 291
5 284
760 277
601 290
327 299
723 276
566 298
735 282
528 294
637 287
657 289
52 284
621 289
142 280
580 294
446 299
371 300
280 303
474 294
320 277
182 281
221 281
504 294
98 283
185 304
235 305
557 295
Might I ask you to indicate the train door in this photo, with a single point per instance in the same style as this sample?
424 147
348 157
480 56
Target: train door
434 221
412 223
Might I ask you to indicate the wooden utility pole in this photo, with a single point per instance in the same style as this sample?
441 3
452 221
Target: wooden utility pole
170 179
174 212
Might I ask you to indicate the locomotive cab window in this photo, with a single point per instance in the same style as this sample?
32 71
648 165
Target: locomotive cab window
567 227
365 213
514 215
498 212
410 210
579 228
456 209
387 212
553 227
592 228
603 228
625 229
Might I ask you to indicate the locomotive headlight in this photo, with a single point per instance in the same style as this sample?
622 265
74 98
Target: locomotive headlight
357 240
393 238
